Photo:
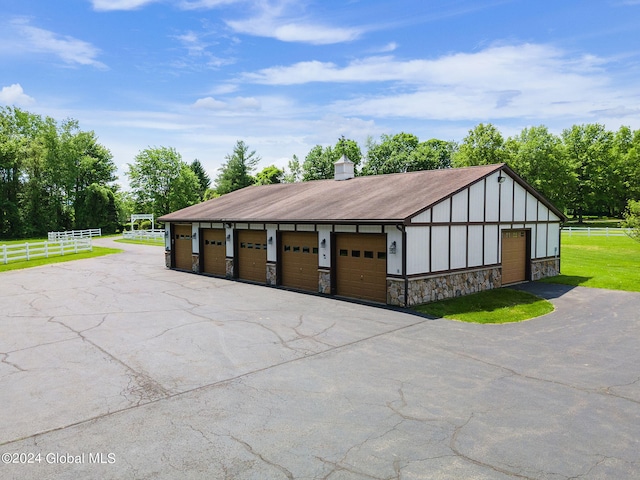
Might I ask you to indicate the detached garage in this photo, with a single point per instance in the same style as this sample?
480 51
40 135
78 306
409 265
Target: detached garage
400 239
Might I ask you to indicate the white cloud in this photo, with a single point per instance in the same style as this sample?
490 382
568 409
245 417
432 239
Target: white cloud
209 103
502 65
203 4
302 32
389 47
224 89
14 95
68 49
110 5
198 54
277 20
235 104
501 81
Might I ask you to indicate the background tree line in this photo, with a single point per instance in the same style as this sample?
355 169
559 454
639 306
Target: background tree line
586 170
54 176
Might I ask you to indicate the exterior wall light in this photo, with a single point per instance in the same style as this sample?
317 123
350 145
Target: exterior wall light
228 237
501 179
195 235
270 240
323 243
393 248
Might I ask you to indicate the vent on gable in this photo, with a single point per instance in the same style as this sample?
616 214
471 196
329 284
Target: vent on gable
344 169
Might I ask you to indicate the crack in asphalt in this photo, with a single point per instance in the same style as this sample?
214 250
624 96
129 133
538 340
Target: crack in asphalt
515 373
225 381
251 450
5 360
460 454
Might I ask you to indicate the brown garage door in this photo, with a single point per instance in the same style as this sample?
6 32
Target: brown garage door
182 246
214 251
514 253
252 255
299 260
361 266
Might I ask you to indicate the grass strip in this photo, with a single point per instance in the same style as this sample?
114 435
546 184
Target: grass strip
159 243
502 305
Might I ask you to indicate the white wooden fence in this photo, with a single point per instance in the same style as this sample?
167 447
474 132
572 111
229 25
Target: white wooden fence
157 234
595 231
29 251
89 233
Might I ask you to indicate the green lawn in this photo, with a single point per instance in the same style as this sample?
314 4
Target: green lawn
501 305
599 262
36 262
159 243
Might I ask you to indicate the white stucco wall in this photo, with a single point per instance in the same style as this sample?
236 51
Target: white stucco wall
506 205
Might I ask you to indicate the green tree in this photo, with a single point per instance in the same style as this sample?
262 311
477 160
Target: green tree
210 193
590 155
318 164
404 152
632 219
12 153
627 154
391 155
161 182
294 173
483 145
125 207
203 178
96 208
269 175
235 173
44 167
539 158
431 155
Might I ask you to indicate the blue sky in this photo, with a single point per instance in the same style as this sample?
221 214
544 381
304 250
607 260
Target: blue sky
285 75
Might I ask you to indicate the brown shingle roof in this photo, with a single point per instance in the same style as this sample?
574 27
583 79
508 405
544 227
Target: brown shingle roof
376 198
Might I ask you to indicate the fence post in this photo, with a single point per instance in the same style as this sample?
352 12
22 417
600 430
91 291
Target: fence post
4 254
26 245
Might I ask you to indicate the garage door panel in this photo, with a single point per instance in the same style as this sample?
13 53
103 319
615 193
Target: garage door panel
514 252
361 266
252 255
299 260
182 246
213 251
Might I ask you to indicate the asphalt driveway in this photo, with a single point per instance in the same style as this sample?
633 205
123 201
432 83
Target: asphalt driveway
116 367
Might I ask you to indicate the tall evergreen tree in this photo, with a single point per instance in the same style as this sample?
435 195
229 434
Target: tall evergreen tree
236 172
203 177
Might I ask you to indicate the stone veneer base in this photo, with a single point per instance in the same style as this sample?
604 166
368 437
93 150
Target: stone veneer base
439 287
324 282
271 274
229 268
548 267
